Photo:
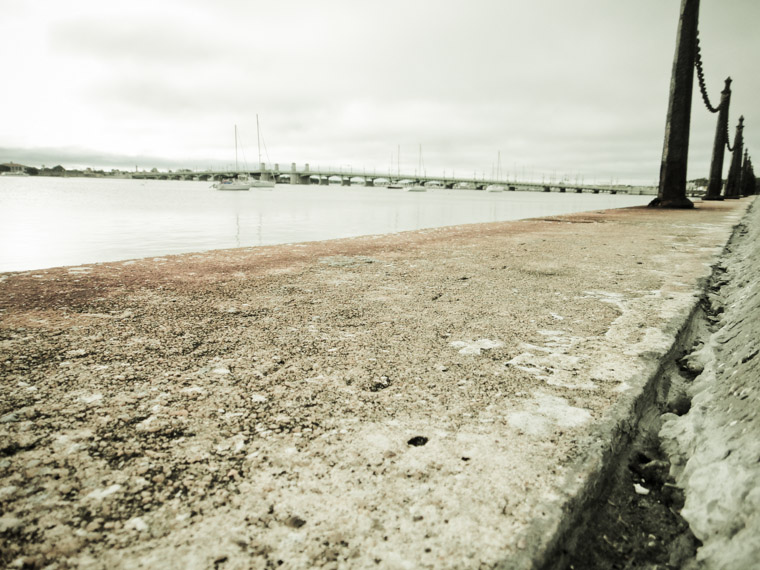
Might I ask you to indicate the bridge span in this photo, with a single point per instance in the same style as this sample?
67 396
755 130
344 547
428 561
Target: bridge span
348 176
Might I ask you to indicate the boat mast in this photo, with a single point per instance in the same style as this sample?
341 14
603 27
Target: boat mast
258 138
236 160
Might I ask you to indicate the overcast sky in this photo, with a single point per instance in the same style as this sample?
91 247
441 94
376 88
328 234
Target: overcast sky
575 88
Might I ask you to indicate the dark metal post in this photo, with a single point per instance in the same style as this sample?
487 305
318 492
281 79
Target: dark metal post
746 167
735 170
675 152
715 185
752 179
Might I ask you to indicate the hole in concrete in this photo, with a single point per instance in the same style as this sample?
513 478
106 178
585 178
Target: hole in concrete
418 440
295 522
679 404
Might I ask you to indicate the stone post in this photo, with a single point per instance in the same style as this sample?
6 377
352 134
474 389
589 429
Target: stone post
735 170
675 152
715 185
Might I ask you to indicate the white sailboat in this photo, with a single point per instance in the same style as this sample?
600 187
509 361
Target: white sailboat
261 183
397 184
417 187
239 182
496 187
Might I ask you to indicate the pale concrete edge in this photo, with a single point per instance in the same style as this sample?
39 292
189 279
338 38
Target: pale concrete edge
557 522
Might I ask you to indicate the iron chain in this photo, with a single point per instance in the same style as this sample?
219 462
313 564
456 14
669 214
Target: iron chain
703 90
701 77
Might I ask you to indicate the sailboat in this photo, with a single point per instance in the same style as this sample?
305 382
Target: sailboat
261 182
240 182
397 184
417 187
496 187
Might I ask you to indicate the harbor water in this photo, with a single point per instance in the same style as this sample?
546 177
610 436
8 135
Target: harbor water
51 222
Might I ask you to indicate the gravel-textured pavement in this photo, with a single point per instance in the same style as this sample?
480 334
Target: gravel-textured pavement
430 399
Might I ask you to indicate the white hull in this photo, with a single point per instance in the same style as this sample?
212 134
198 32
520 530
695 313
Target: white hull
495 188
415 189
234 185
262 184
242 182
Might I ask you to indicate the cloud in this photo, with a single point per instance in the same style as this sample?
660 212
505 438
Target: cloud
133 45
553 85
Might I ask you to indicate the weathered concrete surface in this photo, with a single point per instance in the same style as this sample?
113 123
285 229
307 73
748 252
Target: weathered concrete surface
268 407
715 448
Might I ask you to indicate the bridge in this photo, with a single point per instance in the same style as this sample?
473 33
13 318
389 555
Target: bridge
348 176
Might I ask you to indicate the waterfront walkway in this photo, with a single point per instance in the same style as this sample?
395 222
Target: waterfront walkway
444 398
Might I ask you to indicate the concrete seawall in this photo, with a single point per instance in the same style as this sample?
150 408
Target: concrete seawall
447 398
715 447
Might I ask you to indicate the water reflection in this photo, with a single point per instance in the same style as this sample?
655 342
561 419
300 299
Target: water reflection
46 222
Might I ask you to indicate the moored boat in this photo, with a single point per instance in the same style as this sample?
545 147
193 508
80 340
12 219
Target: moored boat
496 187
239 182
262 183
417 186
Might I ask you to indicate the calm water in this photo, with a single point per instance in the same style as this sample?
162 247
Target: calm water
50 222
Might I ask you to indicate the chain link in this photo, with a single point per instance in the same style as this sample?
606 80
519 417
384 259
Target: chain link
701 77
703 90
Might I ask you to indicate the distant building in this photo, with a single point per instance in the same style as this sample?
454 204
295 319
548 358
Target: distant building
13 168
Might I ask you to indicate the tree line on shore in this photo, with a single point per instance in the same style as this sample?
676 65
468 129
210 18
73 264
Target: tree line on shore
59 170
